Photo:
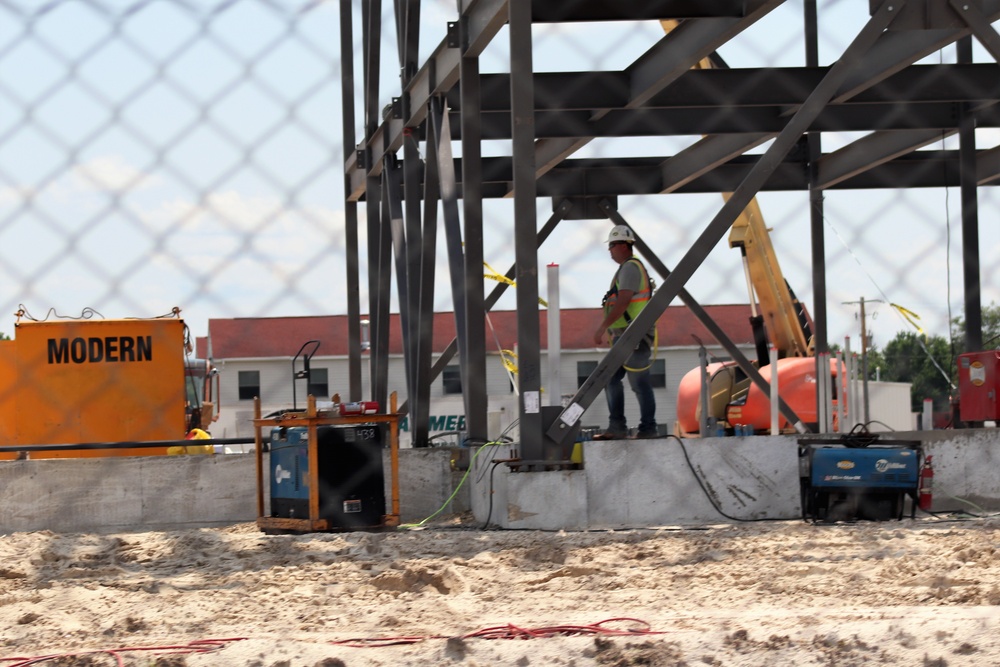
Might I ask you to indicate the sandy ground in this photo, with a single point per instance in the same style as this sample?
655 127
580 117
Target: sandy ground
922 592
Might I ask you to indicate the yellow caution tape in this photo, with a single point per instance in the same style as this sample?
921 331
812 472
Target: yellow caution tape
501 278
508 358
497 276
909 316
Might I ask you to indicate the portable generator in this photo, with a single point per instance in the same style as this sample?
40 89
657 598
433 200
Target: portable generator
351 479
854 478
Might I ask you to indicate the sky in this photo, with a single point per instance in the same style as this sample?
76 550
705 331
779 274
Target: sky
158 153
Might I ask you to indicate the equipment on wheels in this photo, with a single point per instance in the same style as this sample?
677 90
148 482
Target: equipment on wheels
326 471
858 476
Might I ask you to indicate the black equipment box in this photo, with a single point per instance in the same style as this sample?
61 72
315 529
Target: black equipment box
351 479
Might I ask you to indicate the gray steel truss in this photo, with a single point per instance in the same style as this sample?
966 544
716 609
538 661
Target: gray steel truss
875 86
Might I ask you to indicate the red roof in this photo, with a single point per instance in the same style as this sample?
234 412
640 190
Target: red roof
256 337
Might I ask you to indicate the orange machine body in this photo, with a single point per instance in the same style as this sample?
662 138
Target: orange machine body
88 381
796 385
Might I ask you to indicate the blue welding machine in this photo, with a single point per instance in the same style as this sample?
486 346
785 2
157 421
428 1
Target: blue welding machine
850 478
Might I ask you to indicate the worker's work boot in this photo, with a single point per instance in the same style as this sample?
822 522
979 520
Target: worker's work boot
610 435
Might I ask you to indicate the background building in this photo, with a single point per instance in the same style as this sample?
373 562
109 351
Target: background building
255 356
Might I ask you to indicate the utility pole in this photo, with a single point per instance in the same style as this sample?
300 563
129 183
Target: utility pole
864 356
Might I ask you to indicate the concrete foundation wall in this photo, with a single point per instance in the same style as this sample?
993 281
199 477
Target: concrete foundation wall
623 484
166 492
70 495
657 482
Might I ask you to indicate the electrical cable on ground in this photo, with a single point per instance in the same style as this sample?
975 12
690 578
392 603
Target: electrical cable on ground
196 646
510 631
982 512
489 513
454 493
502 439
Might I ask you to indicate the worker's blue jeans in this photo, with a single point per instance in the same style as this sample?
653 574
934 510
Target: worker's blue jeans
641 384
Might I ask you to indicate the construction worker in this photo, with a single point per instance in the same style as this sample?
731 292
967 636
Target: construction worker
629 293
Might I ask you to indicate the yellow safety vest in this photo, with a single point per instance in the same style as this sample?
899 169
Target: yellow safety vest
635 306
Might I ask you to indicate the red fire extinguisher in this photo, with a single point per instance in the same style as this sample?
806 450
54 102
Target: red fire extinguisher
359 408
926 486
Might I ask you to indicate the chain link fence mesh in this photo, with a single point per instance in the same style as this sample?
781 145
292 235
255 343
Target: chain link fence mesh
168 153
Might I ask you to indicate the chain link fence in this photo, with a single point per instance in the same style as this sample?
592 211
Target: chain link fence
168 153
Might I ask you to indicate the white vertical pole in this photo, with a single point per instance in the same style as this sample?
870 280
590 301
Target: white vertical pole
841 393
857 402
774 390
828 390
820 395
928 424
554 338
831 388
703 427
849 376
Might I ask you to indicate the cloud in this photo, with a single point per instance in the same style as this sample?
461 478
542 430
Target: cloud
109 173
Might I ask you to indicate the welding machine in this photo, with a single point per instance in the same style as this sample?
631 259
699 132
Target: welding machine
351 480
852 478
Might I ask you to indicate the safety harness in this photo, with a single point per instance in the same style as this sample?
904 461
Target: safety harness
635 306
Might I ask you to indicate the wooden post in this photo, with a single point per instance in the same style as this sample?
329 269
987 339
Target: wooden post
259 450
313 450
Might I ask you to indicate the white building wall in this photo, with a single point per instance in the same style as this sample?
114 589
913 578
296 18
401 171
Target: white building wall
889 406
276 388
889 401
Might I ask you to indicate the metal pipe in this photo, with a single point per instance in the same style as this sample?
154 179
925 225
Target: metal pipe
850 406
842 393
703 365
127 445
774 391
554 336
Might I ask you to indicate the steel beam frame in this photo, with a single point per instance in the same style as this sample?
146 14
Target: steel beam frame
548 116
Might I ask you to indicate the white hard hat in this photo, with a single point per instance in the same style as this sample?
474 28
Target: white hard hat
621 233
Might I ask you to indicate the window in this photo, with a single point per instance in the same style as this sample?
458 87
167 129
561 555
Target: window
658 373
249 384
451 378
319 385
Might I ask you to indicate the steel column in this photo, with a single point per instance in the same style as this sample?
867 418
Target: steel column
380 240
968 177
420 411
522 102
351 264
452 230
474 378
449 353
